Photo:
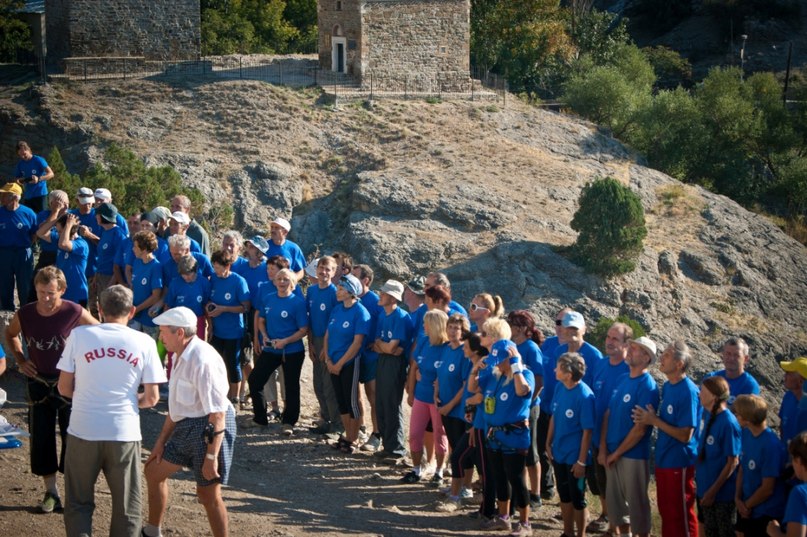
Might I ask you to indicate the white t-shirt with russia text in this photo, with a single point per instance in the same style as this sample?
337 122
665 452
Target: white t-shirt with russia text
109 361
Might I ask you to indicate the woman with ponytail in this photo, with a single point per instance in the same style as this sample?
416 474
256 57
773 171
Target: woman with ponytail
485 306
718 456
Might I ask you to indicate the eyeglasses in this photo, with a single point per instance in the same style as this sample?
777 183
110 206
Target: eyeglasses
558 322
475 307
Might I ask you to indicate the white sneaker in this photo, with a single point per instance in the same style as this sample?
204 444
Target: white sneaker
466 493
373 444
449 505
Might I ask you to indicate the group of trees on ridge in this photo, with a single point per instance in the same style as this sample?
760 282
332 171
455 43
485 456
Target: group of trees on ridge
731 132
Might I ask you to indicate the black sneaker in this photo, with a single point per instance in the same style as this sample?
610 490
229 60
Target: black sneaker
325 428
436 481
411 477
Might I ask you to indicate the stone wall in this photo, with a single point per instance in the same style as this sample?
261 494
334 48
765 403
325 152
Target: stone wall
344 14
424 44
154 29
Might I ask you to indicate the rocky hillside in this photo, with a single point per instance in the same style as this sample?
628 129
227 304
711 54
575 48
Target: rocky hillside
481 190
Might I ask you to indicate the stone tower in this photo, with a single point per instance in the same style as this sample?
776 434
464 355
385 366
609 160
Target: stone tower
419 43
154 29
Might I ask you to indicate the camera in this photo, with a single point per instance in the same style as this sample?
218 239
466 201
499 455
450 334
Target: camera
210 307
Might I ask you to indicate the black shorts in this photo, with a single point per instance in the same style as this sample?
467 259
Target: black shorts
346 388
187 448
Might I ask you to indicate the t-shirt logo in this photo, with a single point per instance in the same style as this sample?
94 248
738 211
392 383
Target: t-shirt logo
438 364
346 324
669 409
144 281
284 314
105 246
322 307
389 334
752 464
227 296
569 413
626 399
181 299
503 396
451 367
66 255
19 226
199 299
494 352
731 399
710 440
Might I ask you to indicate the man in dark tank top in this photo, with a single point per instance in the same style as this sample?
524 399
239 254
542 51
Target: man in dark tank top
44 325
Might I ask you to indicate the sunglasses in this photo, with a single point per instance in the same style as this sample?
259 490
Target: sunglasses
475 307
558 322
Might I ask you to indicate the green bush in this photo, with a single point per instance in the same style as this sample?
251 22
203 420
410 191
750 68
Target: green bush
596 336
14 33
611 228
135 187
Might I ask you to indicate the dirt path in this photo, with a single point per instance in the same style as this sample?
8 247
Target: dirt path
278 487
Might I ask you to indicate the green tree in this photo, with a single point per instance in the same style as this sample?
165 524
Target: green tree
14 33
524 40
612 94
670 132
62 178
611 228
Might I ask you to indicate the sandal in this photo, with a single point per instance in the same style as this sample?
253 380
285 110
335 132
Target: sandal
348 447
340 443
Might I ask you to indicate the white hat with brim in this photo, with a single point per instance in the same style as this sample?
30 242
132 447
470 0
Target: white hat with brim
394 289
647 344
181 317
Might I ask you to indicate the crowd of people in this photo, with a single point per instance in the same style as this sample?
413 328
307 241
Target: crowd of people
116 309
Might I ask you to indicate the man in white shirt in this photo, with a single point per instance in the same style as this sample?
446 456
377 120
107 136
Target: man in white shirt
199 430
102 367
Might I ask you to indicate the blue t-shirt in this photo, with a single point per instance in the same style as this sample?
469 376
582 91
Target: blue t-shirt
396 325
450 378
229 291
253 275
46 246
796 511
192 295
550 361
17 228
763 456
789 416
91 222
344 326
479 421
508 408
721 442
679 407
111 240
170 270
290 251
26 168
320 304
640 391
606 379
284 316
456 307
533 360
74 266
745 384
146 277
573 413
125 255
549 346
370 301
427 360
591 356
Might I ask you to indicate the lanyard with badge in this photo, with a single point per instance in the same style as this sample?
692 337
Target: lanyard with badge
490 401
